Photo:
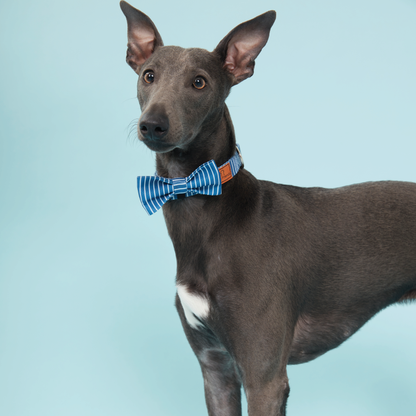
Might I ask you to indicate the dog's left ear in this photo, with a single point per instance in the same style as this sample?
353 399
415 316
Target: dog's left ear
242 45
143 37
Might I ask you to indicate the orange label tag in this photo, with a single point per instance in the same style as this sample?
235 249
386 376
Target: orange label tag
225 173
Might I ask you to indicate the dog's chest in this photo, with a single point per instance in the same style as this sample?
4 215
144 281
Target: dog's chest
195 306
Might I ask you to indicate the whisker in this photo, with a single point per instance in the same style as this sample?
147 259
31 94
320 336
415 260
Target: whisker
129 99
132 131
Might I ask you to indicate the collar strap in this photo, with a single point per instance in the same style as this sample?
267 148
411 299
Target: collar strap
230 168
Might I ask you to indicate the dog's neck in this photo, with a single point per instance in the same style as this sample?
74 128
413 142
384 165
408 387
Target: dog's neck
189 220
216 141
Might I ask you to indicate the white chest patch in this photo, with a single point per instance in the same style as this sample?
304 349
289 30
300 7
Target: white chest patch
194 306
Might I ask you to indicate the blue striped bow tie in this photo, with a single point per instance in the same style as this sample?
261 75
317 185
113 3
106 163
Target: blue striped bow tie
154 191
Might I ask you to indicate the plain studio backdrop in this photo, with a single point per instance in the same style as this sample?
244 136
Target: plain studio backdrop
87 278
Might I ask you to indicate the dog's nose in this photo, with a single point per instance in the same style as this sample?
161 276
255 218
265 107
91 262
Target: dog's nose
154 126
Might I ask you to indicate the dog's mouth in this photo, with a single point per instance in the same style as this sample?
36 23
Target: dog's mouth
158 146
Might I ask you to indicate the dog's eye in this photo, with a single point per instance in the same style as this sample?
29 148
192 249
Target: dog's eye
199 83
149 77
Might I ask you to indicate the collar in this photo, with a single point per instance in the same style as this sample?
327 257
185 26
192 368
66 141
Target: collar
207 179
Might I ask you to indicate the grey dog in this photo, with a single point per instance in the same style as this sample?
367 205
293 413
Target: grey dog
267 275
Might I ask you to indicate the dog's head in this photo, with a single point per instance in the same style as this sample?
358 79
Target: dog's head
182 91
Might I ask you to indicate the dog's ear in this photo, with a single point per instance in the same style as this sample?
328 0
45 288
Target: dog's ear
143 37
242 45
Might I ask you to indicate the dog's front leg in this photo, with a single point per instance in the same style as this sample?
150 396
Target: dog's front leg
267 391
222 382
268 397
261 349
265 382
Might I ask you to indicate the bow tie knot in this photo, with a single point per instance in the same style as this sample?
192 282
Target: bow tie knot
179 186
207 179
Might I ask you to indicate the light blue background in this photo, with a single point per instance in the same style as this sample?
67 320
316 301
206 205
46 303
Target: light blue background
87 323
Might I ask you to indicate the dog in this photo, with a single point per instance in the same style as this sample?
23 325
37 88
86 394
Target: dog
267 274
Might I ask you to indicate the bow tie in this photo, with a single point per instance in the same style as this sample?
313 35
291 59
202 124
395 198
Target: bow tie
154 191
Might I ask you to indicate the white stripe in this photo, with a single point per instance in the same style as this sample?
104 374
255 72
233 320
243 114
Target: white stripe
193 305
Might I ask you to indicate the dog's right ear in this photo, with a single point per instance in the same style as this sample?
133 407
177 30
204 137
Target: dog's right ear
143 37
242 45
